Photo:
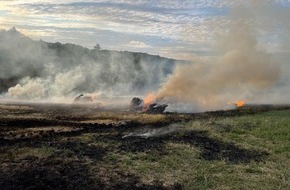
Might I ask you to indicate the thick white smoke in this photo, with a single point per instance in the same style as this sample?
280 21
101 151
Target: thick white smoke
252 65
39 70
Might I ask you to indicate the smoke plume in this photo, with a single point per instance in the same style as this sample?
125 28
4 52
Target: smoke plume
39 70
251 64
244 70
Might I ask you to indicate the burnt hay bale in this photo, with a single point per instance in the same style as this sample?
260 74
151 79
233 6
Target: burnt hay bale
136 104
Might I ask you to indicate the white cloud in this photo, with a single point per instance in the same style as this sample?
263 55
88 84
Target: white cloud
138 44
181 21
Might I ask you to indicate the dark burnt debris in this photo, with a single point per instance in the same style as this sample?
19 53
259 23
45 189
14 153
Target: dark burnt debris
156 108
83 99
137 105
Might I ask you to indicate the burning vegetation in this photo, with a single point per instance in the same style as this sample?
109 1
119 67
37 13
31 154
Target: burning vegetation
149 105
244 68
240 103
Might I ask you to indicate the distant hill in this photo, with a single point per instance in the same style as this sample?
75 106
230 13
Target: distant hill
62 69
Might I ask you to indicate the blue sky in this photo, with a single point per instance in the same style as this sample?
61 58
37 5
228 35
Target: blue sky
181 29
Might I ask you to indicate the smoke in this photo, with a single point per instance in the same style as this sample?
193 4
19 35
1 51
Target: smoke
245 69
252 65
37 70
54 85
148 132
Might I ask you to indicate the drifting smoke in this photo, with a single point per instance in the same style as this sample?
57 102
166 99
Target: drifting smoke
244 71
40 70
153 132
249 67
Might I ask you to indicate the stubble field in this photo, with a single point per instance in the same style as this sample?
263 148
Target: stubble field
64 146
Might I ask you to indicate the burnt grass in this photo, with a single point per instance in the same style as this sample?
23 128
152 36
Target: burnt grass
68 165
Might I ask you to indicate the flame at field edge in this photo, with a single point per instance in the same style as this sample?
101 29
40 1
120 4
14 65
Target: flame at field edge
240 103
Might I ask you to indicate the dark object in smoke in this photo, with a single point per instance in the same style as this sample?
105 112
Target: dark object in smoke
83 99
155 108
136 104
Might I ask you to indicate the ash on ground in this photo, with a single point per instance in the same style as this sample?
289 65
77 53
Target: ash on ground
148 131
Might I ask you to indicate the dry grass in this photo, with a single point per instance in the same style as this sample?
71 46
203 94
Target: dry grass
15 107
129 117
210 151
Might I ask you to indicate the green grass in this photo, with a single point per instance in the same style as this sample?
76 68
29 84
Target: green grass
18 153
267 132
270 130
241 152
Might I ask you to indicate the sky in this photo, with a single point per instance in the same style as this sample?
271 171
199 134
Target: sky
180 29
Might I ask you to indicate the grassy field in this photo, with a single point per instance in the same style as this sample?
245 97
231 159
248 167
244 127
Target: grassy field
75 147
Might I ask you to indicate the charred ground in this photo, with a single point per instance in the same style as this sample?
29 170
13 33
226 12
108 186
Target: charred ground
81 147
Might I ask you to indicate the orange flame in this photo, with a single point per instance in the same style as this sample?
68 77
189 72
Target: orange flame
149 99
240 103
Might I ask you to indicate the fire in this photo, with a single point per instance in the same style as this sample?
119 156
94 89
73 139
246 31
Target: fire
240 103
149 99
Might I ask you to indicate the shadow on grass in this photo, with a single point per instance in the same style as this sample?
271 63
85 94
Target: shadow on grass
32 173
211 148
137 144
79 149
47 174
214 149
68 168
76 129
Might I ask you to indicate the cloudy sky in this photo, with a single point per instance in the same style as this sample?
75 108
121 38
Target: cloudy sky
179 29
